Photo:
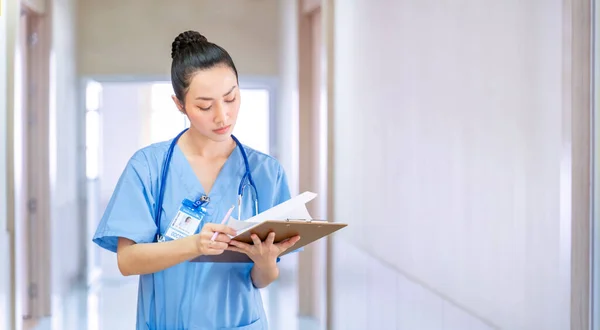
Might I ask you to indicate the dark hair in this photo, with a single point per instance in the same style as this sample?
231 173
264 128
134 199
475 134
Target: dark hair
192 52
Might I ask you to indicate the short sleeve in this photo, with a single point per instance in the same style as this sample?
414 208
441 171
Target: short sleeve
129 212
282 188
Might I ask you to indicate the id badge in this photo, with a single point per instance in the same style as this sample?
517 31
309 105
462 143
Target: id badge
186 221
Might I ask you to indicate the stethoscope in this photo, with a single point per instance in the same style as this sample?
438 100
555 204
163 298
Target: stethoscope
246 180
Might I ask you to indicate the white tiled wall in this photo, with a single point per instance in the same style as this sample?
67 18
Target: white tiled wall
371 295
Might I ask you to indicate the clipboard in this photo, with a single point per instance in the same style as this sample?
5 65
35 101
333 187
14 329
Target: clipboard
309 231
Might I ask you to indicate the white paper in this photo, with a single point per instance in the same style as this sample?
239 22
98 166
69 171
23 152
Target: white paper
239 226
301 213
292 209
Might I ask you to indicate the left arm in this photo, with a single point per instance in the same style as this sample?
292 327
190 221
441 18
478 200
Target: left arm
264 254
264 274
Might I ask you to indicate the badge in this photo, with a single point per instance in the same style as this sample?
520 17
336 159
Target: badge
186 221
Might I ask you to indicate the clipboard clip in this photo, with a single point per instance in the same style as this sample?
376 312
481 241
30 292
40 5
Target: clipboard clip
303 220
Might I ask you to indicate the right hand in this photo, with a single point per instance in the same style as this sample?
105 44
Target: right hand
206 246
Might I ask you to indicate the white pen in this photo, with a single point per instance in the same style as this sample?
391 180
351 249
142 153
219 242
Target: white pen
227 215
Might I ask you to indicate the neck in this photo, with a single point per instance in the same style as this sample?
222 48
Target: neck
199 145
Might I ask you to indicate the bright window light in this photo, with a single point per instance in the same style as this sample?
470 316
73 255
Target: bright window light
252 127
253 124
166 121
93 100
93 96
92 140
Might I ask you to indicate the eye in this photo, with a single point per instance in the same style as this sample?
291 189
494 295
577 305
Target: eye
230 101
204 109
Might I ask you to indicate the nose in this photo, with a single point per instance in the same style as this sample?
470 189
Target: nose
221 115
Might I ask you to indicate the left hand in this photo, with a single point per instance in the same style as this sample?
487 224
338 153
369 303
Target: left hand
263 252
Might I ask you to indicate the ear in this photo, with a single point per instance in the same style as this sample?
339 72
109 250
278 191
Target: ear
178 104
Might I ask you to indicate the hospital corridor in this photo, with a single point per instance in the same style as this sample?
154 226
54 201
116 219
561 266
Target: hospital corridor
422 164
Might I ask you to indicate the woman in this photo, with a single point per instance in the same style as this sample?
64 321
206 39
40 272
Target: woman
205 165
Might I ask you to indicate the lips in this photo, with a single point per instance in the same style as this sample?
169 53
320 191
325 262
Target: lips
223 130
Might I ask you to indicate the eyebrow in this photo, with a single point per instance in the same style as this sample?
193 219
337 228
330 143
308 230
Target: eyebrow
210 98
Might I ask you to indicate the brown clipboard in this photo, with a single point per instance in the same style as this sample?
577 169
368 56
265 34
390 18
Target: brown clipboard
309 231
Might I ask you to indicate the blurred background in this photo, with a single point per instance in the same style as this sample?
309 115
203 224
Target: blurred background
456 138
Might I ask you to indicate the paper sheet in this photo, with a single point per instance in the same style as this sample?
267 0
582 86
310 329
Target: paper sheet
293 209
240 226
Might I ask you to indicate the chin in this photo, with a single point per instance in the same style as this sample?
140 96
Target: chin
220 137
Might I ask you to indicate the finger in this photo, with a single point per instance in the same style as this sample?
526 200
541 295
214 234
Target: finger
214 252
271 238
240 245
234 249
215 227
293 239
256 240
217 245
222 238
288 243
213 248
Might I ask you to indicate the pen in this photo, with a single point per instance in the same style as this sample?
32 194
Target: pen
225 218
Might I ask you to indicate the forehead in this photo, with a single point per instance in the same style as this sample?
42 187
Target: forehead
213 82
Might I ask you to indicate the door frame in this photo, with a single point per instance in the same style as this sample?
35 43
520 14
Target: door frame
29 145
315 166
576 164
329 42
595 171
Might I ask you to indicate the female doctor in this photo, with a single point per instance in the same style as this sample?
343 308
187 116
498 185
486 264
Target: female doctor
201 174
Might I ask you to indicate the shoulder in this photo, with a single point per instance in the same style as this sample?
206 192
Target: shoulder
259 159
149 158
270 178
151 153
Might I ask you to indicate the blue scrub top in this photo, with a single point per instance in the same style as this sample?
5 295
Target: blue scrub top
190 295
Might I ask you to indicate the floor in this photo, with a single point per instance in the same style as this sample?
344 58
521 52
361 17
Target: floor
111 304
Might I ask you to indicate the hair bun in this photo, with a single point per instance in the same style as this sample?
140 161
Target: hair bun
185 40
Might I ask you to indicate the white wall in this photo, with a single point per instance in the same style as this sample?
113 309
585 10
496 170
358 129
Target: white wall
134 37
460 106
121 115
5 268
67 224
287 115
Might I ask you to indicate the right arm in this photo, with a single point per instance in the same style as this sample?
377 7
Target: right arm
128 226
147 258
